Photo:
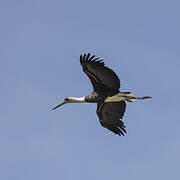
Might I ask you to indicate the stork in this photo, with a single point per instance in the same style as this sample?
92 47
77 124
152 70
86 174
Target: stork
110 101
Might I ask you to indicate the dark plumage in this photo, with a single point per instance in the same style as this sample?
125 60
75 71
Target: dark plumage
105 83
110 101
99 73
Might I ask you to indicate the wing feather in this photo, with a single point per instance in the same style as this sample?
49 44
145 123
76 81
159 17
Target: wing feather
110 116
98 73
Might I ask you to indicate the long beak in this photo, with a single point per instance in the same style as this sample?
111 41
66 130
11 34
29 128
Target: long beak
64 102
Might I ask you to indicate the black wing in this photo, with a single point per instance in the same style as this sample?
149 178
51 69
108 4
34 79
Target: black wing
98 73
110 115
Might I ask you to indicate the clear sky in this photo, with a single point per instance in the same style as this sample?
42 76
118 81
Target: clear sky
40 45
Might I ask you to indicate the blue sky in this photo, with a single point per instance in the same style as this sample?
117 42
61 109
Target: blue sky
39 65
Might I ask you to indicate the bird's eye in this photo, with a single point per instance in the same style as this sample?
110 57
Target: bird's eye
66 99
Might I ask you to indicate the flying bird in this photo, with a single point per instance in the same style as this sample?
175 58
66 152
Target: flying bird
111 102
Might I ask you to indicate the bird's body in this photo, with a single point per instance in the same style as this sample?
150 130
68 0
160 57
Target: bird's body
110 101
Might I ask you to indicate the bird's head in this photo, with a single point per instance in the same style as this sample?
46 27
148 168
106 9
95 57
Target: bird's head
66 100
69 99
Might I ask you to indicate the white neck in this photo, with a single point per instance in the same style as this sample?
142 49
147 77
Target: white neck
77 100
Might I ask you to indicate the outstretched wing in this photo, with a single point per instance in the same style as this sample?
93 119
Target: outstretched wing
110 116
98 73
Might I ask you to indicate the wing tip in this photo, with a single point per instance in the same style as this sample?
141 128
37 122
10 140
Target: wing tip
121 131
118 129
91 59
